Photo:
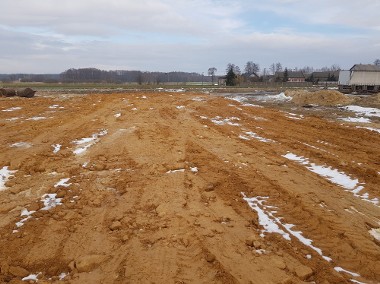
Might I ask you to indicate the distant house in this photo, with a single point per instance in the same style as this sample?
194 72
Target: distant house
293 76
360 78
324 77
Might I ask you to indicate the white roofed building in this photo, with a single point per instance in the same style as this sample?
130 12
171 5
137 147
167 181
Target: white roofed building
360 78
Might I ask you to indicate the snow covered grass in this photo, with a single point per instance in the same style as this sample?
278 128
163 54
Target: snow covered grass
5 174
86 143
335 176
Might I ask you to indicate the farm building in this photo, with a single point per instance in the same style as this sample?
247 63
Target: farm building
293 76
361 78
324 77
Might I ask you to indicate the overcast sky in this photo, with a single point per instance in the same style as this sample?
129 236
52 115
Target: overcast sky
50 36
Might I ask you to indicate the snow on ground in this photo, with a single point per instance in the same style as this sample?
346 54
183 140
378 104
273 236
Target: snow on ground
117 115
87 142
294 116
37 118
243 101
180 107
50 201
5 174
55 106
21 145
63 182
228 120
335 176
12 109
175 171
13 118
273 224
356 119
375 233
57 148
281 97
249 134
370 128
366 111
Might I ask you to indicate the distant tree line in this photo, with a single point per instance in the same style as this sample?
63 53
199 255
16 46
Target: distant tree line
93 75
123 76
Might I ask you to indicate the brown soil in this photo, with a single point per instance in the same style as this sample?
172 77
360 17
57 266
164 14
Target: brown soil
320 97
158 199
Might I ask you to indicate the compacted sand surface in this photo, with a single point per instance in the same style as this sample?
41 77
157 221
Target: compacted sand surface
155 187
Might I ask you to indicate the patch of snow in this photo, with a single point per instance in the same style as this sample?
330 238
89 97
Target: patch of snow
335 176
243 101
273 224
37 118
57 148
281 97
229 120
255 136
31 277
134 109
198 99
5 174
180 107
144 97
356 281
356 119
63 182
12 109
175 171
366 111
62 276
194 169
294 116
375 233
117 115
87 142
55 106
370 128
13 118
340 269
50 201
21 145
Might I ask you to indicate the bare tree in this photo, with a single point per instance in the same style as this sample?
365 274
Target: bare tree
377 62
211 72
251 68
278 67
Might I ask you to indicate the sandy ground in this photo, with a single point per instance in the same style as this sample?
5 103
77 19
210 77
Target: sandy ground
185 188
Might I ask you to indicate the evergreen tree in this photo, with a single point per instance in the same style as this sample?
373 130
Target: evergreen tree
231 76
286 75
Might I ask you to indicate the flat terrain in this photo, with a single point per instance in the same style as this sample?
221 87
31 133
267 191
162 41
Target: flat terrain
181 187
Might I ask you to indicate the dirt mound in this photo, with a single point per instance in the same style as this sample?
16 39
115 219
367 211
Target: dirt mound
26 93
321 97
